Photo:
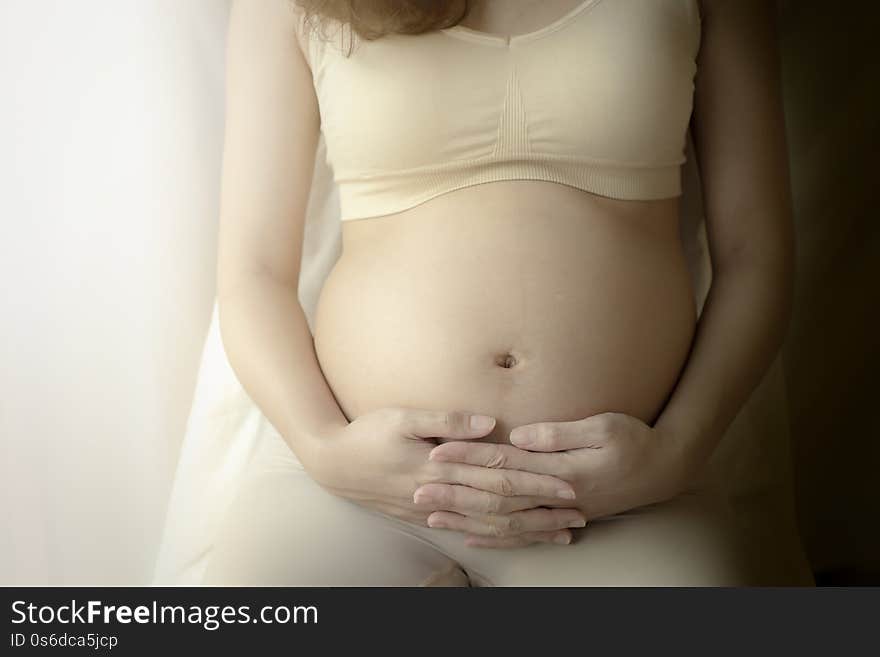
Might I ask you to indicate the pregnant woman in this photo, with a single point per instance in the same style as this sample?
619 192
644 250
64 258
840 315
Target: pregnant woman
506 383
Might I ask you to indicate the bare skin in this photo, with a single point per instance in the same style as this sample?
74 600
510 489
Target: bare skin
576 321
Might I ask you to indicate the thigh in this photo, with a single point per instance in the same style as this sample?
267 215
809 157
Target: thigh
284 529
692 540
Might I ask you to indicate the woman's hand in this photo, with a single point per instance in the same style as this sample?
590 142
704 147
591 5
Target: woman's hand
381 458
615 462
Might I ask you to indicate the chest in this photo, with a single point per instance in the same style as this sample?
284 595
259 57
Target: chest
611 80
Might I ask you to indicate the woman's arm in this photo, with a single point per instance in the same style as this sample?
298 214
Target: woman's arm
271 135
739 137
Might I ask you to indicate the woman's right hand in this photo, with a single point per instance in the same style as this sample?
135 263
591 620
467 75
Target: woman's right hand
380 459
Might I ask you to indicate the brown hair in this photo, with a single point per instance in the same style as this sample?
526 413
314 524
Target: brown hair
372 19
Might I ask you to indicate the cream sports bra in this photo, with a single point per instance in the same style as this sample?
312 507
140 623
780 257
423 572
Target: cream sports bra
600 100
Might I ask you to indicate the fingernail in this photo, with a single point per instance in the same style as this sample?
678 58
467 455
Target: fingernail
523 436
578 523
433 522
481 422
565 493
421 497
562 539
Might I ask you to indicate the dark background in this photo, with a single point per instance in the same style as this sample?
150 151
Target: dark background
832 356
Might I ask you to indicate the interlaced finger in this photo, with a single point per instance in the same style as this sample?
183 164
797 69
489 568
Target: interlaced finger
508 483
464 499
492 542
501 456
518 522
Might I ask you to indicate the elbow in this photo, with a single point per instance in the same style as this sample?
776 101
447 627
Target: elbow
767 273
767 256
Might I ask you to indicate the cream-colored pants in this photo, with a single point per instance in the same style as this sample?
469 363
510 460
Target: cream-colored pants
283 529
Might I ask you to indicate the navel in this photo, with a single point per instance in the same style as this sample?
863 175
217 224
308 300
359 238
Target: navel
506 360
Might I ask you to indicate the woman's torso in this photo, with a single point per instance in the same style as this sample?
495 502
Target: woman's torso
522 299
590 297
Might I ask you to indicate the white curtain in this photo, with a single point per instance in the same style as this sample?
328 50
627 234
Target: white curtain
110 142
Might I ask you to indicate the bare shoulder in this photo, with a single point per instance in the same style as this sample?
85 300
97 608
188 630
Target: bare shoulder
273 18
300 29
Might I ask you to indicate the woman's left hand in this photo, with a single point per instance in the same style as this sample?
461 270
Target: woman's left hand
614 461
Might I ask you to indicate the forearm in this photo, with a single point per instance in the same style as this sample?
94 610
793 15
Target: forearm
270 348
743 324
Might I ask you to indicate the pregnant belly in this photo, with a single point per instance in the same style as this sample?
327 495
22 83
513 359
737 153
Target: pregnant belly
524 317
